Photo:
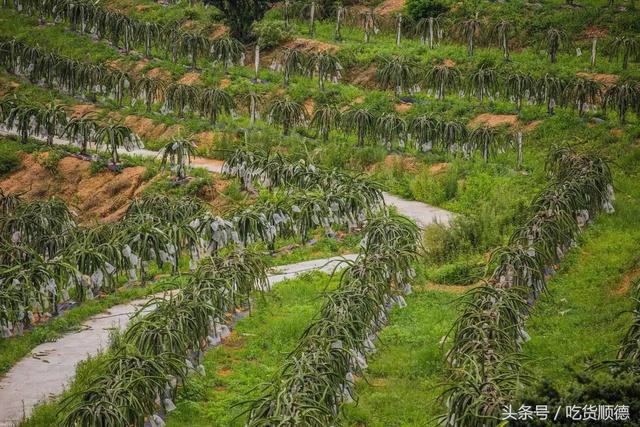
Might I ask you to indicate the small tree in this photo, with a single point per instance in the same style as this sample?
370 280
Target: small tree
441 78
627 46
398 72
519 86
501 32
389 127
582 92
550 90
555 40
193 45
470 29
81 129
483 82
227 50
21 117
622 97
369 23
424 129
293 62
179 96
177 154
326 65
286 113
253 100
241 14
150 90
215 101
52 118
341 13
325 118
486 139
115 136
428 28
360 120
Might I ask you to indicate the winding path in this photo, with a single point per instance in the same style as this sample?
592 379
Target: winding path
52 366
421 213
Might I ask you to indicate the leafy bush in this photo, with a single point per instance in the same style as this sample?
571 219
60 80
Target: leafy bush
465 235
272 33
458 273
9 160
606 387
418 9
436 189
98 166
50 159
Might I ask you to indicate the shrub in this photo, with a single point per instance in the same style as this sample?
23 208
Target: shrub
9 160
418 9
458 273
602 387
436 189
50 159
272 33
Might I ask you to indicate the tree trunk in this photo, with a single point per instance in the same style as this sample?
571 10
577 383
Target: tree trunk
312 19
594 42
257 62
505 47
399 31
338 36
253 111
519 148
430 33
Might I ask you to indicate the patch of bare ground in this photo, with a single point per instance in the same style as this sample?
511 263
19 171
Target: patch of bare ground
402 107
219 31
7 87
497 120
191 78
452 289
79 110
493 120
160 74
449 63
224 83
604 79
148 129
396 161
389 7
309 106
104 196
311 45
363 77
628 281
438 168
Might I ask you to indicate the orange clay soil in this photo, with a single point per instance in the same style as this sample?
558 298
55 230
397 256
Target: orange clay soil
104 196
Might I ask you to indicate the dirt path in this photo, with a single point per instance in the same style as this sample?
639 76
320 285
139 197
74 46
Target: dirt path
52 366
421 213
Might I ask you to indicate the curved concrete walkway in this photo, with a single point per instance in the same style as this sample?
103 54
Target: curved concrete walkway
421 213
52 366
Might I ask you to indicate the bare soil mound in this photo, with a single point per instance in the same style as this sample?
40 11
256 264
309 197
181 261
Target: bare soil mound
389 7
148 129
494 120
190 78
605 79
104 196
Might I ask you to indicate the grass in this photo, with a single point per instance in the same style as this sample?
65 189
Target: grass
251 355
587 313
404 377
